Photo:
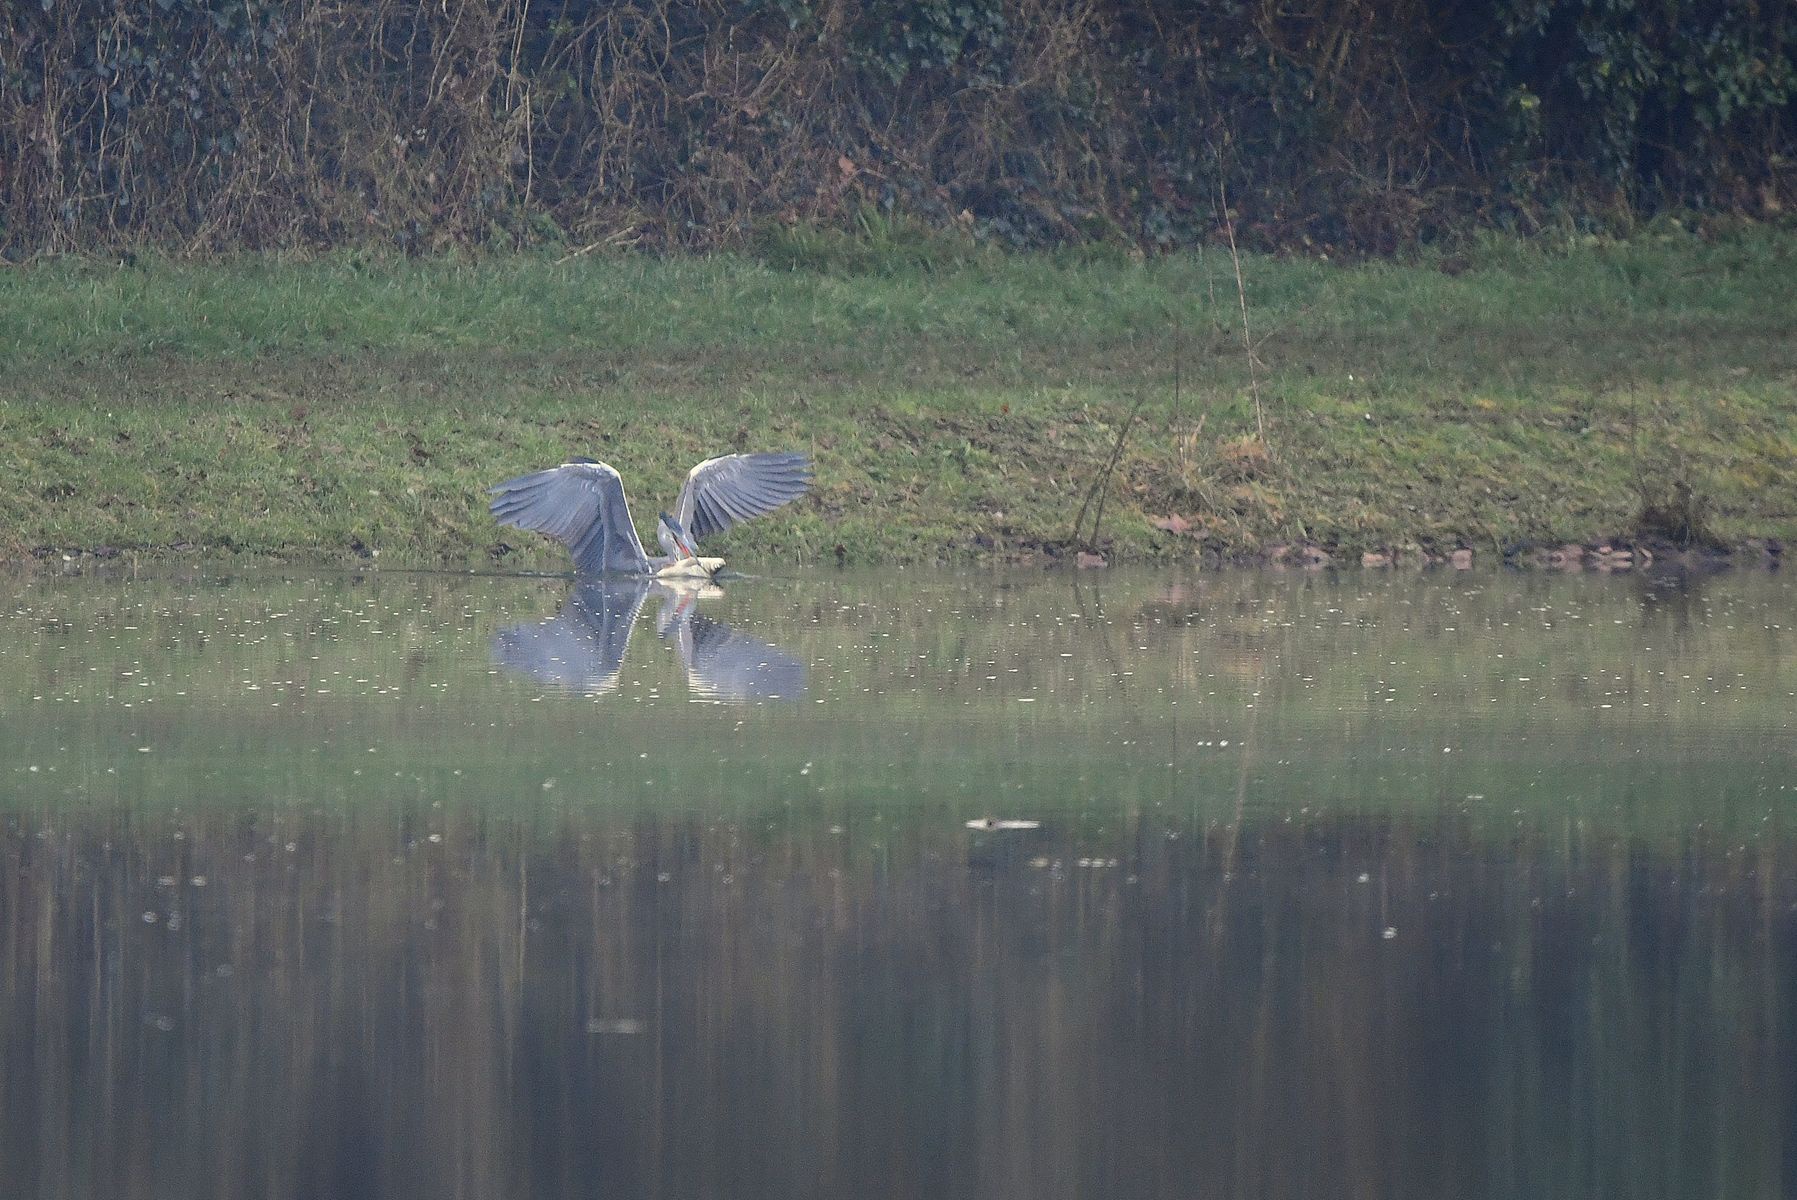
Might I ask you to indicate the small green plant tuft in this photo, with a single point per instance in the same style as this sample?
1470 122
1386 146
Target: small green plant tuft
1675 509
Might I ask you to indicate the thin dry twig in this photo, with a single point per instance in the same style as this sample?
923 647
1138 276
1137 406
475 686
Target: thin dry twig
1241 291
618 237
1101 487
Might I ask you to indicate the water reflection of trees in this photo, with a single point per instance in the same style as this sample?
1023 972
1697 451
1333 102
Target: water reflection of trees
341 1006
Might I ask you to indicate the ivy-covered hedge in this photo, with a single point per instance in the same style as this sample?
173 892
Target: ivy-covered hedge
1349 124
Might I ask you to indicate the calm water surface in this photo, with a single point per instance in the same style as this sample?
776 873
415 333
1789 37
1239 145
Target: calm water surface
1369 886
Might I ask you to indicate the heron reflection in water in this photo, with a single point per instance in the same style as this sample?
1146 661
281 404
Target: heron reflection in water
582 647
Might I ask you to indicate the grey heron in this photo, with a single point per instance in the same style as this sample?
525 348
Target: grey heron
582 647
581 504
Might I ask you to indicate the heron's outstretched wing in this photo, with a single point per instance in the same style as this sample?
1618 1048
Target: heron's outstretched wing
582 647
582 506
719 492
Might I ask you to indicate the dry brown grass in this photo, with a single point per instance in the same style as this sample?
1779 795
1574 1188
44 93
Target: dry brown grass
196 127
468 120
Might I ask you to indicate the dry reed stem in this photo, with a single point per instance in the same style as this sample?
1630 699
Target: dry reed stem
1241 291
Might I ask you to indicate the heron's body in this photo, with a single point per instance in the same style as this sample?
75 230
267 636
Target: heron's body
581 504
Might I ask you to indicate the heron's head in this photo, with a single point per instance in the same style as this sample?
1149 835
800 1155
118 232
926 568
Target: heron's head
679 535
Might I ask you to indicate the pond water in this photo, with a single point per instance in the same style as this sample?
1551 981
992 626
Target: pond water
898 885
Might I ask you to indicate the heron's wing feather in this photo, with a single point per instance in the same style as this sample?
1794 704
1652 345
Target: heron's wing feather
580 505
719 492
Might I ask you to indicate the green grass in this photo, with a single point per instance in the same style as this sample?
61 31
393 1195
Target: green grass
959 402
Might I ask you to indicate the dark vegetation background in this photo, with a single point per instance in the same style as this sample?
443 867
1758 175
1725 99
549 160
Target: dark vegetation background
1344 126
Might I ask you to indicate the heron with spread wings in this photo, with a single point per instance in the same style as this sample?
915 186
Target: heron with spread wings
581 504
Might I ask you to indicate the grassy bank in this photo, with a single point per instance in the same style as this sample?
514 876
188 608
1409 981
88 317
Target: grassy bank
960 404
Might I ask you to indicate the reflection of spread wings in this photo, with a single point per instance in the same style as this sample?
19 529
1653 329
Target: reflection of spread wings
722 664
582 647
